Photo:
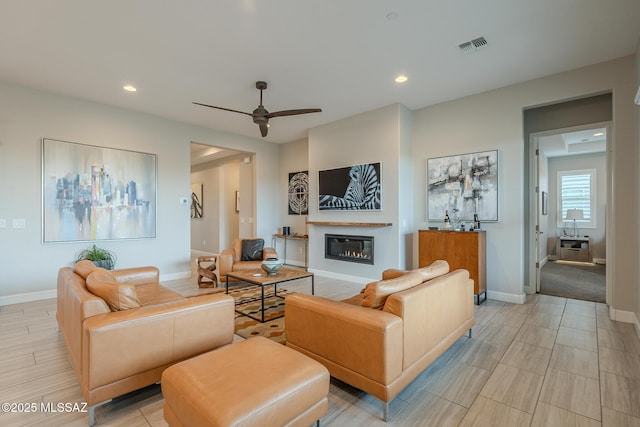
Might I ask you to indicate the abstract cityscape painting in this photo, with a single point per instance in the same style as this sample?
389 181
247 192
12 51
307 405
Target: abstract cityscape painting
351 188
465 185
96 193
298 193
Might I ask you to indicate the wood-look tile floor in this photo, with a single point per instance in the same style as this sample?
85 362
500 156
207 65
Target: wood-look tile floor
552 362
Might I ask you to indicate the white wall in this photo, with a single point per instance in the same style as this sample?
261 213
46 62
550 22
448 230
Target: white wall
366 138
637 110
294 157
494 120
597 161
27 115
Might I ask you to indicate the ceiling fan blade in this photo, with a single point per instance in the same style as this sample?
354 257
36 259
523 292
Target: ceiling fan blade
222 108
293 112
264 129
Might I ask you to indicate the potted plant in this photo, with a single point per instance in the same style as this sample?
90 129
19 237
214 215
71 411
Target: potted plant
100 257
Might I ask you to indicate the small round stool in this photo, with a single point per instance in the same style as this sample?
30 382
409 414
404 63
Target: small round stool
207 270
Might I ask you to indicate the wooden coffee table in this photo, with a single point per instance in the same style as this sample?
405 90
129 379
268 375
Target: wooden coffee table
258 277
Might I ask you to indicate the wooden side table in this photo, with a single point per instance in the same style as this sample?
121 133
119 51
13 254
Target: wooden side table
207 277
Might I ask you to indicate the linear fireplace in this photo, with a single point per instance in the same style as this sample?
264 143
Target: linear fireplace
349 248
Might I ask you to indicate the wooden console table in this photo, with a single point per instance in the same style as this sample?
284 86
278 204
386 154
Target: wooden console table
461 249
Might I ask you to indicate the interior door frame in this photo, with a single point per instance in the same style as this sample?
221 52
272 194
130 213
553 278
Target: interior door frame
533 283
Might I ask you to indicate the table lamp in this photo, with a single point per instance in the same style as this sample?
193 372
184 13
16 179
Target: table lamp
573 214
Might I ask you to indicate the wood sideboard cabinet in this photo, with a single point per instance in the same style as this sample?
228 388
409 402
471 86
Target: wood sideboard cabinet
461 249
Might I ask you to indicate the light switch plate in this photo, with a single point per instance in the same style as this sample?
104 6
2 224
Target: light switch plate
3 223
19 223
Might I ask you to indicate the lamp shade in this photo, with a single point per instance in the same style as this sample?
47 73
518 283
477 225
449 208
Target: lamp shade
573 214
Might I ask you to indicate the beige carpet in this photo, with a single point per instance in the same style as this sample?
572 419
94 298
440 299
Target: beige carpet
574 280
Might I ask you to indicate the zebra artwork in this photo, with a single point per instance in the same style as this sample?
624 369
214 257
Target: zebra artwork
352 188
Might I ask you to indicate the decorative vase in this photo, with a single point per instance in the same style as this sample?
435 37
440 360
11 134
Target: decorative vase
271 265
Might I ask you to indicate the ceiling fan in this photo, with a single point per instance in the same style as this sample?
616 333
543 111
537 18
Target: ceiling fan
261 116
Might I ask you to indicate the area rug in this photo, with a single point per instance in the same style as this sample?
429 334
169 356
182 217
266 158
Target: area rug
274 307
574 280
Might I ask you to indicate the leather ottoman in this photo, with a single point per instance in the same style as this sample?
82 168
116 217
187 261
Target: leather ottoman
256 382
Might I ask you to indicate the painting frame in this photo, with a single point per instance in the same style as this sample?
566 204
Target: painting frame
197 191
463 185
92 193
335 188
298 193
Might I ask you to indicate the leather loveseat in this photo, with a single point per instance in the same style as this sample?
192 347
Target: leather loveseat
382 339
115 352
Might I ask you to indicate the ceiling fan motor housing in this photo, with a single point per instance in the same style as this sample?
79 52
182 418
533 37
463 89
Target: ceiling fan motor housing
260 119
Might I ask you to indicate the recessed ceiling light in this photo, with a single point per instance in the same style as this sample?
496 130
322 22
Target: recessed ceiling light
401 78
392 16
598 134
129 88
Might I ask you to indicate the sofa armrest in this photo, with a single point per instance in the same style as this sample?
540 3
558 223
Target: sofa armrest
120 344
269 253
393 273
362 340
225 262
138 275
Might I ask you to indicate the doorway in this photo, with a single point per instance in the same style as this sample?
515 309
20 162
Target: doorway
571 178
222 180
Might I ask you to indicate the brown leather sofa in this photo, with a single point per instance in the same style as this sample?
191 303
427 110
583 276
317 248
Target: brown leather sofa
381 340
115 352
231 259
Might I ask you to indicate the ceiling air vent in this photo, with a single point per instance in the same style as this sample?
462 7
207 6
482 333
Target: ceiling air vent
473 45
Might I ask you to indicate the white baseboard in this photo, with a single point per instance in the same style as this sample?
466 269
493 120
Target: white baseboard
201 253
338 276
602 261
504 297
624 316
28 297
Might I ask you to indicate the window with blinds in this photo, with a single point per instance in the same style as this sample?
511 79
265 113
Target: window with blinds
576 190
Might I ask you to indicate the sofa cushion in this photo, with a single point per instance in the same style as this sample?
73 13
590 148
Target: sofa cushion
376 293
117 295
435 269
252 249
84 268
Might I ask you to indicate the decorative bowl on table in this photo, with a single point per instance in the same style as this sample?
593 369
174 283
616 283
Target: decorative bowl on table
272 265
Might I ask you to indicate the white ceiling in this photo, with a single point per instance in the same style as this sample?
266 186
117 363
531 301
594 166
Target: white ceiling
574 143
341 56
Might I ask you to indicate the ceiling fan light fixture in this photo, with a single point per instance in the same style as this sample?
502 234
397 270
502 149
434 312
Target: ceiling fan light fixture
260 115
130 88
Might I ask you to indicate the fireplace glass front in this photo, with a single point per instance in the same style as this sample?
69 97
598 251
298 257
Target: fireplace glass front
349 248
